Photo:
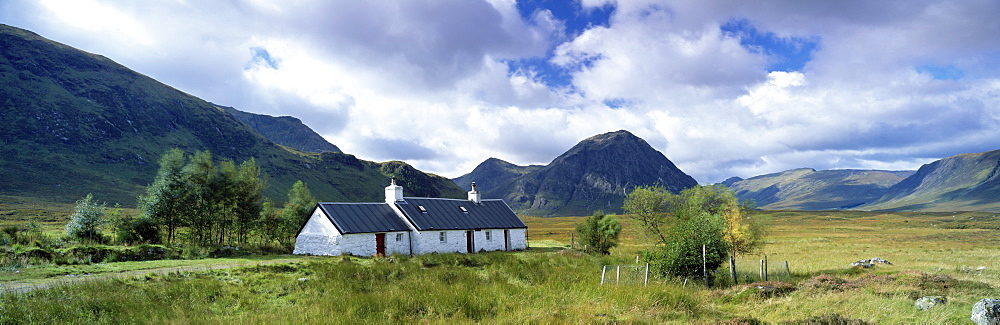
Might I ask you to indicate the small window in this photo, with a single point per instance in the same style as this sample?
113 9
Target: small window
443 236
464 209
422 208
488 235
399 237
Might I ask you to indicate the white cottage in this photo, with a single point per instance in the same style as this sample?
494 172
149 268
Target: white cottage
407 225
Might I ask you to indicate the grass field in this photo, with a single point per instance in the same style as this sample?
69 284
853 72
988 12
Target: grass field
956 255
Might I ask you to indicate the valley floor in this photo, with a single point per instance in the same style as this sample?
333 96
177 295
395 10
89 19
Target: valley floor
954 255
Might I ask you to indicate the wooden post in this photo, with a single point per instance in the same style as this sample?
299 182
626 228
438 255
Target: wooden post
788 271
572 240
604 269
637 259
704 264
732 269
765 268
618 274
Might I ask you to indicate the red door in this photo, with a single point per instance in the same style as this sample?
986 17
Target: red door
469 242
380 244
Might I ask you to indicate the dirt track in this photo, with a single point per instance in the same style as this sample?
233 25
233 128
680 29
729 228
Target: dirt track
35 284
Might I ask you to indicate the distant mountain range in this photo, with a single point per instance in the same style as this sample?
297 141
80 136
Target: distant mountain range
73 123
966 182
593 175
963 182
809 189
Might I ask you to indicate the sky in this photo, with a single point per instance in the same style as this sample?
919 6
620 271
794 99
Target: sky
722 88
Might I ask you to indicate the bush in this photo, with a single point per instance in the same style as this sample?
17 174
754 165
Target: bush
681 254
228 251
599 233
137 230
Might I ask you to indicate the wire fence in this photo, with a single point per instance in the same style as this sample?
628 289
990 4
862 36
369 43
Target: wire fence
625 274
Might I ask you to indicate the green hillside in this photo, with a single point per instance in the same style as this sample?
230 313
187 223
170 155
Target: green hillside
809 189
284 130
73 123
963 182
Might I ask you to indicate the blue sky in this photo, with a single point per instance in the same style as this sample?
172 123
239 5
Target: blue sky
722 87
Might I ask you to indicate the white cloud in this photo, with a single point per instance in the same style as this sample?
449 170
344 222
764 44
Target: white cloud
433 77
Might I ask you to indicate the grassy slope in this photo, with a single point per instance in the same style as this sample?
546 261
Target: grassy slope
961 182
73 123
549 285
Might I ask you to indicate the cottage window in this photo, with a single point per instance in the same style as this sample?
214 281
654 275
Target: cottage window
464 209
488 237
422 208
443 236
399 237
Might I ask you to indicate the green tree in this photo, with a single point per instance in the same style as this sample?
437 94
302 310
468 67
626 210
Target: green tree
702 215
248 197
599 233
87 220
166 199
297 210
269 223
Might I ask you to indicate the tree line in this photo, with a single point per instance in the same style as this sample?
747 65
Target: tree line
197 200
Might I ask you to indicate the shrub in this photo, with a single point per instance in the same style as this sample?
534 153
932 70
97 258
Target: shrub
599 233
681 254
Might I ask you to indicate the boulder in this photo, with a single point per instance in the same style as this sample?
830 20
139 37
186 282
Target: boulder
869 262
876 260
986 312
926 302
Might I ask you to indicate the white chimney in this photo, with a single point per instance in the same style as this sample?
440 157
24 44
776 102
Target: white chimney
393 192
474 195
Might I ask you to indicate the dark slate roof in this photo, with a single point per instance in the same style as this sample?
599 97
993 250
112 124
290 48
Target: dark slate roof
442 214
352 218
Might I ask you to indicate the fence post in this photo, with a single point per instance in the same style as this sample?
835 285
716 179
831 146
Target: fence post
645 282
732 269
604 269
765 268
761 269
618 274
788 271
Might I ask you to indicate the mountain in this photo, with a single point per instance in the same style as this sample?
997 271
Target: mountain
963 182
284 130
809 189
73 123
492 173
593 175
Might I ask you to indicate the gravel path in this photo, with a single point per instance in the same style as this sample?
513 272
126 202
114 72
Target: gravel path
71 279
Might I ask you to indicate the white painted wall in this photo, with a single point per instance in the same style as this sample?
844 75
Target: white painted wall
318 237
518 239
428 241
495 243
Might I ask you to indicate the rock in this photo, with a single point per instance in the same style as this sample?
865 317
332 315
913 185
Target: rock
303 279
876 260
869 262
986 312
863 264
926 302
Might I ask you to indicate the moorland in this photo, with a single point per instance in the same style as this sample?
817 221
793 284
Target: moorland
954 255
